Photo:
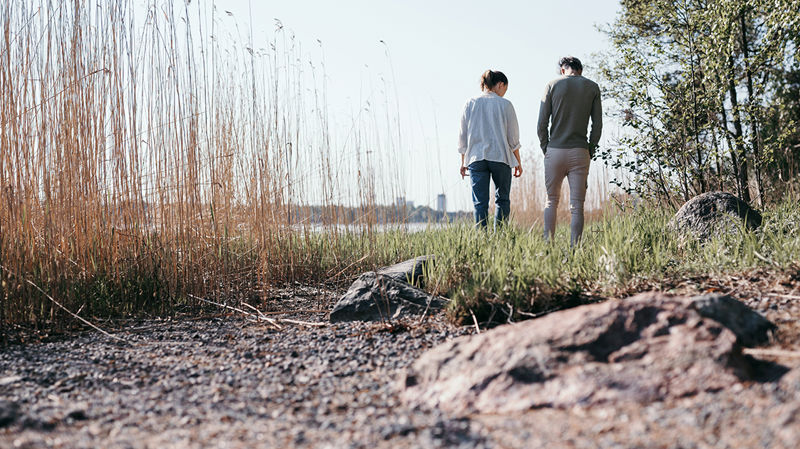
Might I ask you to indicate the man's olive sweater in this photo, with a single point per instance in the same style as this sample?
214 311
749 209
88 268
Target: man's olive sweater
570 100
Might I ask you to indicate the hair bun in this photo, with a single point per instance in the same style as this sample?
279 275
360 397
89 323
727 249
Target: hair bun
490 78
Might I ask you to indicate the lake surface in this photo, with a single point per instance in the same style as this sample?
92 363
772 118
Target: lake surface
381 227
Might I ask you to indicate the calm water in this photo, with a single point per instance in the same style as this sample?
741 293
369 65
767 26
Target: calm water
408 227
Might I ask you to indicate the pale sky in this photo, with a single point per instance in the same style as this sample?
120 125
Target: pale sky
437 51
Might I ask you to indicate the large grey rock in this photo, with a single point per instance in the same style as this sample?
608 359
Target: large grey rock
642 349
411 271
387 294
714 213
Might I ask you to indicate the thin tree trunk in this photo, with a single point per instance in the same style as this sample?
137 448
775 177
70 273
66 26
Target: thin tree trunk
753 120
717 158
727 135
685 176
741 150
685 154
663 185
700 176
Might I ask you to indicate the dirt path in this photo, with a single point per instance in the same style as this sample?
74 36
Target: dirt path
225 382
228 382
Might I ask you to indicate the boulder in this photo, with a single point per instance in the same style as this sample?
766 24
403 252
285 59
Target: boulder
387 294
714 213
642 349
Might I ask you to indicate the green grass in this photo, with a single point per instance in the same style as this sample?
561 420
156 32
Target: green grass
515 269
485 273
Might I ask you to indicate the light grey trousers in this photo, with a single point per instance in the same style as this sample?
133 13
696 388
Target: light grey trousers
574 164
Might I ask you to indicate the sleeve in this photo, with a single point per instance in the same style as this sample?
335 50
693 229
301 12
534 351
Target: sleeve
545 109
512 128
463 137
597 122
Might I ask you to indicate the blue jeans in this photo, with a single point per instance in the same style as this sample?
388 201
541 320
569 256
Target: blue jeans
500 173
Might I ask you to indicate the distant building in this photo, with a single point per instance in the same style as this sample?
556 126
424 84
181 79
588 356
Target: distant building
409 204
441 202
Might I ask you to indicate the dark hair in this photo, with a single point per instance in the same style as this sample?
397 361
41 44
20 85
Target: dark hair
571 62
490 78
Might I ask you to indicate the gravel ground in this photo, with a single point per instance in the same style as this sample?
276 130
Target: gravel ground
228 382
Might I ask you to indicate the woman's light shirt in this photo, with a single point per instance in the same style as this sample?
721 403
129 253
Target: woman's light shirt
489 130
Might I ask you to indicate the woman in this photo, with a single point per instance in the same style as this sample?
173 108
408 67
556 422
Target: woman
489 146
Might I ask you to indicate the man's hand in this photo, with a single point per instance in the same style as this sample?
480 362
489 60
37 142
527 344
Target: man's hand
593 151
464 171
518 171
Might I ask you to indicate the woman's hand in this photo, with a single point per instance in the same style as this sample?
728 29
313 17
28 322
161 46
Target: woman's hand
518 168
464 171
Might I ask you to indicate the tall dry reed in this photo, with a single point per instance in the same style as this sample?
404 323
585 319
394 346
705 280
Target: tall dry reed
529 195
146 157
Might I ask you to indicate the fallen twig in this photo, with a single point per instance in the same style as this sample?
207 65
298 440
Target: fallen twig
288 312
424 312
765 259
262 316
74 315
303 323
540 314
780 295
236 309
475 320
771 352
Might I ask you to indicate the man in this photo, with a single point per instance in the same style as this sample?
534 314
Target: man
568 103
